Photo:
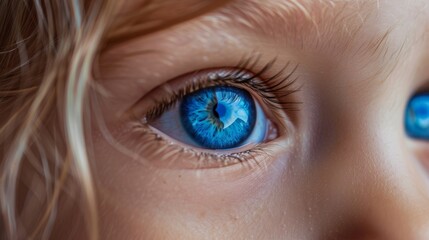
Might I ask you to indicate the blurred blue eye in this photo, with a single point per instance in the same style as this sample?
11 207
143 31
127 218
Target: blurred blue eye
417 117
220 117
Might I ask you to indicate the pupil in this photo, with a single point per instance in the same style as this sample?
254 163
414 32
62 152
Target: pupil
219 110
215 113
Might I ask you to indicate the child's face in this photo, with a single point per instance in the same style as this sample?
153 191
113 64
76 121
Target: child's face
334 161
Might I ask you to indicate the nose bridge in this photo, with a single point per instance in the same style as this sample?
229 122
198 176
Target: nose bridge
384 193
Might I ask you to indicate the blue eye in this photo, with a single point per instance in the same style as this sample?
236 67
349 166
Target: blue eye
220 117
417 117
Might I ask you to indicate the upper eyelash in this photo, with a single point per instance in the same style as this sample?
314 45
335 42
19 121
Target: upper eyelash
271 89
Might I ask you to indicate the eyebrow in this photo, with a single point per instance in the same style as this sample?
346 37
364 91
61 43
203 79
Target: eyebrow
145 17
293 21
336 26
298 20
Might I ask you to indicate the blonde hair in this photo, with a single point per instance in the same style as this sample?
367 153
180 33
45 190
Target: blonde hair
47 68
47 49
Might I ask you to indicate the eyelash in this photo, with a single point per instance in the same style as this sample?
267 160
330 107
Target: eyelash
270 90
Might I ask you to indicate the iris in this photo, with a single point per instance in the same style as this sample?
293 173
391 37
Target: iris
220 117
417 117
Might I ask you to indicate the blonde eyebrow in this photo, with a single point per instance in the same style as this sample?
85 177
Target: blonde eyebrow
151 16
340 26
300 24
314 19
338 29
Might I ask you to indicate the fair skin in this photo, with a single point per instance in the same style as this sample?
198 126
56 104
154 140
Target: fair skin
341 167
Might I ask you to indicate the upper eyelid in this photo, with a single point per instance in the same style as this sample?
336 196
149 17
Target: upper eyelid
272 91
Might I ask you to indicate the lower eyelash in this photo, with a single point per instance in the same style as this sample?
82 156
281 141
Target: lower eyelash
154 146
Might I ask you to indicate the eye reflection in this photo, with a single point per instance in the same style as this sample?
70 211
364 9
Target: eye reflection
417 117
215 118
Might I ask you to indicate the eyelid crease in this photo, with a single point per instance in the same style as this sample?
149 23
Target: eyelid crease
271 90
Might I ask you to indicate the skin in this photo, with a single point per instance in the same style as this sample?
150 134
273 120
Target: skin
343 169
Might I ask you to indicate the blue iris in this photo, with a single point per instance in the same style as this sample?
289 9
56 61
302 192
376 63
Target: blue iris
417 117
219 117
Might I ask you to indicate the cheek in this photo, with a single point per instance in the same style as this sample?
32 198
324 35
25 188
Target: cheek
420 151
424 157
167 203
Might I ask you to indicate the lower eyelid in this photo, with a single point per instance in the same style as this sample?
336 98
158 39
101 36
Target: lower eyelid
161 153
153 149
